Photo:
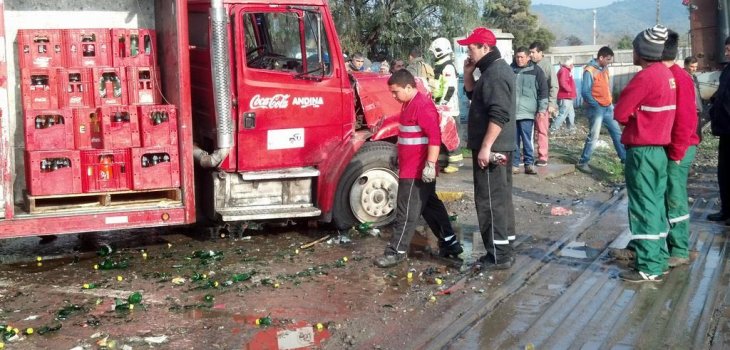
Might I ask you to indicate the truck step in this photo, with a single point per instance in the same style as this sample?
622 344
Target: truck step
270 212
289 173
102 201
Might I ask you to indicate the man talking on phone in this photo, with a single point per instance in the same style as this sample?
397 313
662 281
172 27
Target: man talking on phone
491 136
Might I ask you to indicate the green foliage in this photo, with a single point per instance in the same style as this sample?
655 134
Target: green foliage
394 27
513 16
624 43
573 40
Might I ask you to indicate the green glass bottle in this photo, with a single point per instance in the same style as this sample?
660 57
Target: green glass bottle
135 298
105 250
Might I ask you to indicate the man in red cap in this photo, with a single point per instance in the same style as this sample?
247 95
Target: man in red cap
491 128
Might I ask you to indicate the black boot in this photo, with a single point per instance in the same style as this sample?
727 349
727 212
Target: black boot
719 216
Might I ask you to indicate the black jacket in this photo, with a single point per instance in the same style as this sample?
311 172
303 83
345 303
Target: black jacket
720 110
493 100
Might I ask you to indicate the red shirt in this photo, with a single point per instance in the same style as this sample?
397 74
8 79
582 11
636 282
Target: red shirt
684 131
646 107
566 84
419 128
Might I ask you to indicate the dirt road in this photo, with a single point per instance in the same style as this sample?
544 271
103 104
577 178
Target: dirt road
203 293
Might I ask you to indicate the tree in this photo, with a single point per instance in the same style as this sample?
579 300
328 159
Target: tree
397 26
625 43
513 16
573 40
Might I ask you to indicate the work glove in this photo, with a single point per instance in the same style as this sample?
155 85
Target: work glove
429 172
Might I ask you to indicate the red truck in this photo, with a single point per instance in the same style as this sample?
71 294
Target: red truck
270 125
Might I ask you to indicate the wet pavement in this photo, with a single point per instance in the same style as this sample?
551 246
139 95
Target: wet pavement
264 289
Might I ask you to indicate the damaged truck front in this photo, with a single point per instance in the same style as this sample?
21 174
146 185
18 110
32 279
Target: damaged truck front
269 123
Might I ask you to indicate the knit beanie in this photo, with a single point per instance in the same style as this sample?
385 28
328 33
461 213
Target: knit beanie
649 43
671 46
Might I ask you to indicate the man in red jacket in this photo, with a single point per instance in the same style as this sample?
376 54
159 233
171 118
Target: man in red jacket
681 152
566 95
419 142
646 108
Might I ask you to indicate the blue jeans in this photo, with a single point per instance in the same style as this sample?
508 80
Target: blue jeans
597 116
565 110
524 135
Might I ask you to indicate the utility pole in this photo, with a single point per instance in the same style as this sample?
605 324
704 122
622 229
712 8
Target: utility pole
594 26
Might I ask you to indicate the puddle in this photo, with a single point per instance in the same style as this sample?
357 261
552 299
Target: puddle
578 250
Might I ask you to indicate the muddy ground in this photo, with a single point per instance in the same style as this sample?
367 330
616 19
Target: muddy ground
328 295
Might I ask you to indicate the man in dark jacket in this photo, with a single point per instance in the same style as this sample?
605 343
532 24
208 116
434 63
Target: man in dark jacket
720 118
491 137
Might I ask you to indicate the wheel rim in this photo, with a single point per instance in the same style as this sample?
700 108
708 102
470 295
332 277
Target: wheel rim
373 196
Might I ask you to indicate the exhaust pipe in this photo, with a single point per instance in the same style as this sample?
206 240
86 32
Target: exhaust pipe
221 88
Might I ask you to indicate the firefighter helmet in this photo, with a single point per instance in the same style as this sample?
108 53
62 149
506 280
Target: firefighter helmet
440 48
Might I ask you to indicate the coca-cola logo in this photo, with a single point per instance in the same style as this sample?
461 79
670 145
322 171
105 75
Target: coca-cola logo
278 101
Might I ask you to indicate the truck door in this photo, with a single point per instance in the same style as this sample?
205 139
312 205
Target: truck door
289 100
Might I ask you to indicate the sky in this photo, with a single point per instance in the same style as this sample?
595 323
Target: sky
578 4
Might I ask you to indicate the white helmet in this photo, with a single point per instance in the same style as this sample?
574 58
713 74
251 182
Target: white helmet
440 48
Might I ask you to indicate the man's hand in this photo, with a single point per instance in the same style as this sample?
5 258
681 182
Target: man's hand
429 172
469 66
483 157
552 109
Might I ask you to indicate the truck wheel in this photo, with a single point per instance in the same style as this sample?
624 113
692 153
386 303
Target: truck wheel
368 187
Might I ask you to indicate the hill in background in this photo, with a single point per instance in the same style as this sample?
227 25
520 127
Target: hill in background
621 18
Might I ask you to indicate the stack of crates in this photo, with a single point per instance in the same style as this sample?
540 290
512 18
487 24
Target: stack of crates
94 121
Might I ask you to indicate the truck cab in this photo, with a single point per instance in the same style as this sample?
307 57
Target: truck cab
308 138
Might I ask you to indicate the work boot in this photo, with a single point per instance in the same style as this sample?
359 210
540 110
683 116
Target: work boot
450 169
451 251
675 261
530 169
515 170
634 276
622 254
719 216
456 160
486 263
389 260
584 168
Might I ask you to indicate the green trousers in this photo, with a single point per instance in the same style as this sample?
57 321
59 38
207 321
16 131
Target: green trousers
677 207
646 184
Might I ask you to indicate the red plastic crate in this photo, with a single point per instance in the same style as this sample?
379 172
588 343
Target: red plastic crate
48 129
134 47
143 88
119 126
75 87
105 170
40 48
52 172
155 167
110 87
39 88
157 125
87 129
87 48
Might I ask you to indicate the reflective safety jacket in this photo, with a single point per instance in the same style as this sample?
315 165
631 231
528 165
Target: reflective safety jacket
419 128
446 92
647 106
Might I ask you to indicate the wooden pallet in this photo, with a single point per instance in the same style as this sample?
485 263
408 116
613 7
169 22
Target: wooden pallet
106 200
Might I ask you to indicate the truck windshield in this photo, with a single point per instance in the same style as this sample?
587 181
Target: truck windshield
273 41
293 41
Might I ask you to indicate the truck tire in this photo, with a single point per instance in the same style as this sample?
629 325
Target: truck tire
368 187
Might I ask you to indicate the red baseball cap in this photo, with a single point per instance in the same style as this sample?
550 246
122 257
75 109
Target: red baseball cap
479 35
